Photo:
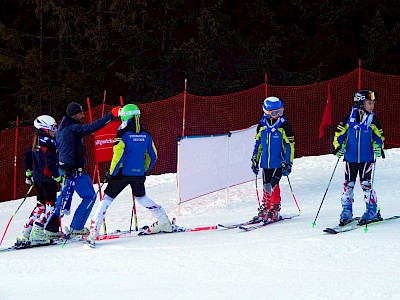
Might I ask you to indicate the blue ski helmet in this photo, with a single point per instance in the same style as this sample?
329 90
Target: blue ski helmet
272 103
361 96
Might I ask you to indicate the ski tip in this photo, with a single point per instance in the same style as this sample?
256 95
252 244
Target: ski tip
330 231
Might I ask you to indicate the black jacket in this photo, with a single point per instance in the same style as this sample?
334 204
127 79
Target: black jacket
43 161
70 134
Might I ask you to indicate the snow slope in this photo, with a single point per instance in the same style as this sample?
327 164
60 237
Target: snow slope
287 260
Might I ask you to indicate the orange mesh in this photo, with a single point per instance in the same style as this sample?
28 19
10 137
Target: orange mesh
206 115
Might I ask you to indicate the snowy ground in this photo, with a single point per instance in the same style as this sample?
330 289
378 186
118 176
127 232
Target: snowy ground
287 260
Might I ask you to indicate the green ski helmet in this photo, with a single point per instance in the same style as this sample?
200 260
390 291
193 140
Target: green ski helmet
128 112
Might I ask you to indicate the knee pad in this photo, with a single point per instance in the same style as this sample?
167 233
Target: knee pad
348 193
366 185
268 188
348 187
369 194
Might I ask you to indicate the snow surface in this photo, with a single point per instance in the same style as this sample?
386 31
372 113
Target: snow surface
287 260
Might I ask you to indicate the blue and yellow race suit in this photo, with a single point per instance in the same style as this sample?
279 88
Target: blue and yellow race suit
359 133
274 143
134 150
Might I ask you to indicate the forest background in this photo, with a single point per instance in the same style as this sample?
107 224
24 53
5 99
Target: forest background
56 51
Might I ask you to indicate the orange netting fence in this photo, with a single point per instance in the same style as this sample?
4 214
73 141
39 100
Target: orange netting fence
205 115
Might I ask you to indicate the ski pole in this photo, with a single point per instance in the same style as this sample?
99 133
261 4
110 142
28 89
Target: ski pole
323 198
258 196
8 224
63 201
133 215
294 198
372 186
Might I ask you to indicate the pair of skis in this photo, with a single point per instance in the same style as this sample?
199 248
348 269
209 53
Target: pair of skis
353 224
255 223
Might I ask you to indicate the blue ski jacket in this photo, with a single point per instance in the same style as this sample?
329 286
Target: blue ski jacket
359 133
274 143
134 152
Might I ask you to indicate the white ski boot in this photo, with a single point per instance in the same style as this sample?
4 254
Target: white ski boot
38 236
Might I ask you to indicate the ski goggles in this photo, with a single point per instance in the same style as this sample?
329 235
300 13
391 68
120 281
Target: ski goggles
50 128
275 113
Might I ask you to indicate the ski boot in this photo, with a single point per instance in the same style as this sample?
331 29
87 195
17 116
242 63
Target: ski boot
38 236
370 214
346 215
273 213
262 213
91 239
73 233
25 237
158 227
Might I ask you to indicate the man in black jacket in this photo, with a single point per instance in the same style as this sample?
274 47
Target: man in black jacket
72 161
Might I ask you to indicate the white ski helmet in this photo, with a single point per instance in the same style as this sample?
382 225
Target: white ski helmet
44 123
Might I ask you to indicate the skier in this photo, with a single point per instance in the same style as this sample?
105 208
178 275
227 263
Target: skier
359 137
72 161
275 146
134 154
41 169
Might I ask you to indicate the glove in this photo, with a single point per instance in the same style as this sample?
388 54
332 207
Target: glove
255 169
107 177
28 177
378 151
115 111
254 165
339 152
286 169
58 179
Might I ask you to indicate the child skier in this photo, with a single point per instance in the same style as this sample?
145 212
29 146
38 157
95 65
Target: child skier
41 157
134 156
359 137
275 146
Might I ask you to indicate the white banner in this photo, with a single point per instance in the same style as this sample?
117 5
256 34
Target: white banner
210 163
